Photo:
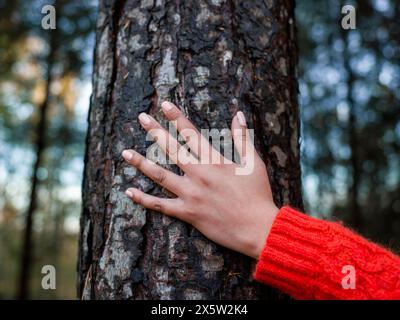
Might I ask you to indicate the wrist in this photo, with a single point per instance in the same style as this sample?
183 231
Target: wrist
267 216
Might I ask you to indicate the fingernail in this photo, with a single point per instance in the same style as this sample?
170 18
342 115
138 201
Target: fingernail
241 118
129 193
144 118
167 106
128 154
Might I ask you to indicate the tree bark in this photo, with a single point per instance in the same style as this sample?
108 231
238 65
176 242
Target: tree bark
211 58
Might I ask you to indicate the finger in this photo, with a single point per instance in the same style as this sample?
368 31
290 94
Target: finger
193 138
242 139
170 207
158 174
176 152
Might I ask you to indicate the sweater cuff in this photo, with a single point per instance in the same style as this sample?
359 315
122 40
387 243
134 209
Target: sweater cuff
289 260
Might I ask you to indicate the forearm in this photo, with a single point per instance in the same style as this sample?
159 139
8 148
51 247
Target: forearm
313 259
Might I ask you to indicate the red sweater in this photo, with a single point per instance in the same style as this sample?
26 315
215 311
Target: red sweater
314 259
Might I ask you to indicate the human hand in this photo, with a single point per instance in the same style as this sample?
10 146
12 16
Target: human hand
235 211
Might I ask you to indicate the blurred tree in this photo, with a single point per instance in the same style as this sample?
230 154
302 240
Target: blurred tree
349 83
40 147
40 68
13 29
354 161
62 60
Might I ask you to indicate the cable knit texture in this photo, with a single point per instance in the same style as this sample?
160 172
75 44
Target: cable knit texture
309 258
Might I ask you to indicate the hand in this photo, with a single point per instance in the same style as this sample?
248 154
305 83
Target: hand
235 211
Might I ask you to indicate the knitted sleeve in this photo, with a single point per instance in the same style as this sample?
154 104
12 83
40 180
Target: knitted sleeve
309 258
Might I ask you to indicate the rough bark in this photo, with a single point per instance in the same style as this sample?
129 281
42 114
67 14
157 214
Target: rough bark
212 58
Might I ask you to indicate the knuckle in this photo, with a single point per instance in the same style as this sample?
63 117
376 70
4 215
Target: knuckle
138 161
174 114
240 135
189 135
153 131
193 201
158 205
160 176
173 150
194 196
138 199
205 181
184 156
190 215
261 165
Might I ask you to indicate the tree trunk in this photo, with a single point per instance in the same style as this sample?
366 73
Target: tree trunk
211 58
356 219
40 145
